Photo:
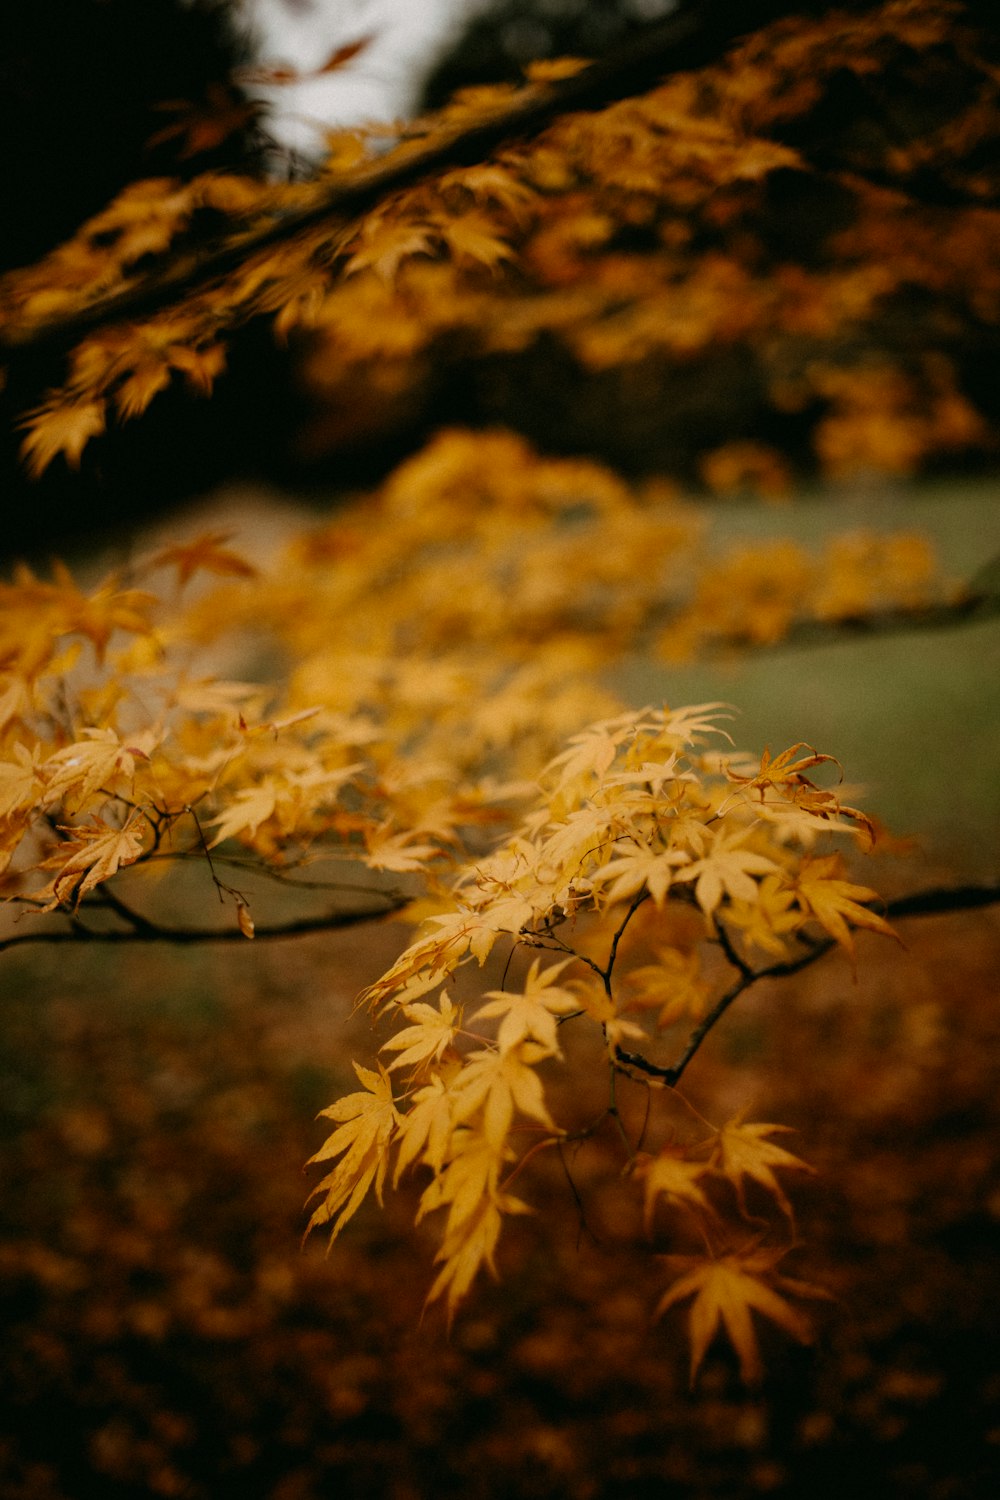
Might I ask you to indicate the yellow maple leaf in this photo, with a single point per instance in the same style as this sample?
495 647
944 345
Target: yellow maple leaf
726 1292
726 870
491 183
425 1130
92 763
669 1175
110 609
767 920
493 1084
553 69
464 1252
430 1035
674 983
400 851
835 902
250 807
598 1004
473 237
91 855
207 553
20 781
385 242
531 1013
636 870
60 426
745 1151
468 1188
16 700
366 1124
468 1178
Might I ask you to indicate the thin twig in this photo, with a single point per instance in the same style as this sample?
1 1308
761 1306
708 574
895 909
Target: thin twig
732 957
269 872
137 922
150 932
934 902
636 902
941 899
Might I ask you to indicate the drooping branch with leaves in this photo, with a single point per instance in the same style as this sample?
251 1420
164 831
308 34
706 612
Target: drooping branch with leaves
412 714
415 752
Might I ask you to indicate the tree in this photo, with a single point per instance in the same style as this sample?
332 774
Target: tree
427 734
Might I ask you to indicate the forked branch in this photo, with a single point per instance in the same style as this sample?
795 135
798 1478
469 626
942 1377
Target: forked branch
933 902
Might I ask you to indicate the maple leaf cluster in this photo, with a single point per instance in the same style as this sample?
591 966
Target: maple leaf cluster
441 637
636 816
643 241
413 662
439 640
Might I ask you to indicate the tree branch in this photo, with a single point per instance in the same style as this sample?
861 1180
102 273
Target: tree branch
636 902
690 38
136 921
938 900
972 608
144 931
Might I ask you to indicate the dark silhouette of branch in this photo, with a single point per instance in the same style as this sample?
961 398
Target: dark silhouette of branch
971 608
142 930
939 900
139 924
934 902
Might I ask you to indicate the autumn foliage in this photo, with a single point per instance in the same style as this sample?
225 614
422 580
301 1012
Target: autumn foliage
709 243
410 713
653 872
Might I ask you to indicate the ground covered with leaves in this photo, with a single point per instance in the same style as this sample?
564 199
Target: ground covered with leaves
167 1336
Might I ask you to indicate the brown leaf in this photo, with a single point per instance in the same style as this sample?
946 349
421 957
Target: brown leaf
92 855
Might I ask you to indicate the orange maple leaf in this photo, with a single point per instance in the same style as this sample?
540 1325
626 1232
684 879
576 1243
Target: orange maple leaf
745 1151
726 1291
60 427
201 365
835 902
203 124
783 770
91 856
280 74
206 553
150 376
